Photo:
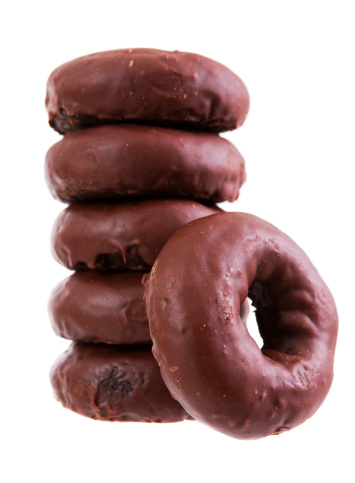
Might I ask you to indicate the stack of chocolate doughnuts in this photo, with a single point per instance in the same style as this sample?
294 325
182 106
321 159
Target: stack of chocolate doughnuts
140 158
142 168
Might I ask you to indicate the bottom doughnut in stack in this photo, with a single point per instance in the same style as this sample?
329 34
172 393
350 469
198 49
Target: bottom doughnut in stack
114 383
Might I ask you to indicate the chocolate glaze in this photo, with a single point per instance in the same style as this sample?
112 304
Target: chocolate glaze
176 89
119 236
207 358
103 307
100 307
112 162
114 383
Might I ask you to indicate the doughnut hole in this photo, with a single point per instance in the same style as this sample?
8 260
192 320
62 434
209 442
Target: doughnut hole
252 324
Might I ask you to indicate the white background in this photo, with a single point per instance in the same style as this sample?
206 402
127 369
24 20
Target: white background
297 60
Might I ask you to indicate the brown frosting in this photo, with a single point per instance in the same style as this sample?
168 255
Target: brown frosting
120 236
112 162
166 88
114 383
106 307
100 307
207 358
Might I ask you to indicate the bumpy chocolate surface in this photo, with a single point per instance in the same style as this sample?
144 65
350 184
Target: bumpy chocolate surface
208 360
111 162
100 307
166 88
119 236
103 307
114 383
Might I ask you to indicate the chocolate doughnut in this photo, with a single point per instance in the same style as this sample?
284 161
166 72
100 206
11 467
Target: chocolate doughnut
119 236
103 307
166 88
100 307
112 162
207 358
114 383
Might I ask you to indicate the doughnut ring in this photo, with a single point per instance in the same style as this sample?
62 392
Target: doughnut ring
176 89
120 236
129 160
106 307
207 358
113 383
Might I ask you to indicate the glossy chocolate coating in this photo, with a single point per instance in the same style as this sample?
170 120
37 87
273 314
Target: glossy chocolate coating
113 162
100 307
166 88
207 358
103 307
114 383
119 236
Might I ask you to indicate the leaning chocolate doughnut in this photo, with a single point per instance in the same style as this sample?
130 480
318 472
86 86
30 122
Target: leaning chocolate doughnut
112 162
207 358
103 307
120 236
100 307
114 383
167 88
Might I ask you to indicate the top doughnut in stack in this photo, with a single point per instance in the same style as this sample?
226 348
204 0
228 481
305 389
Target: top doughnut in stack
141 137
